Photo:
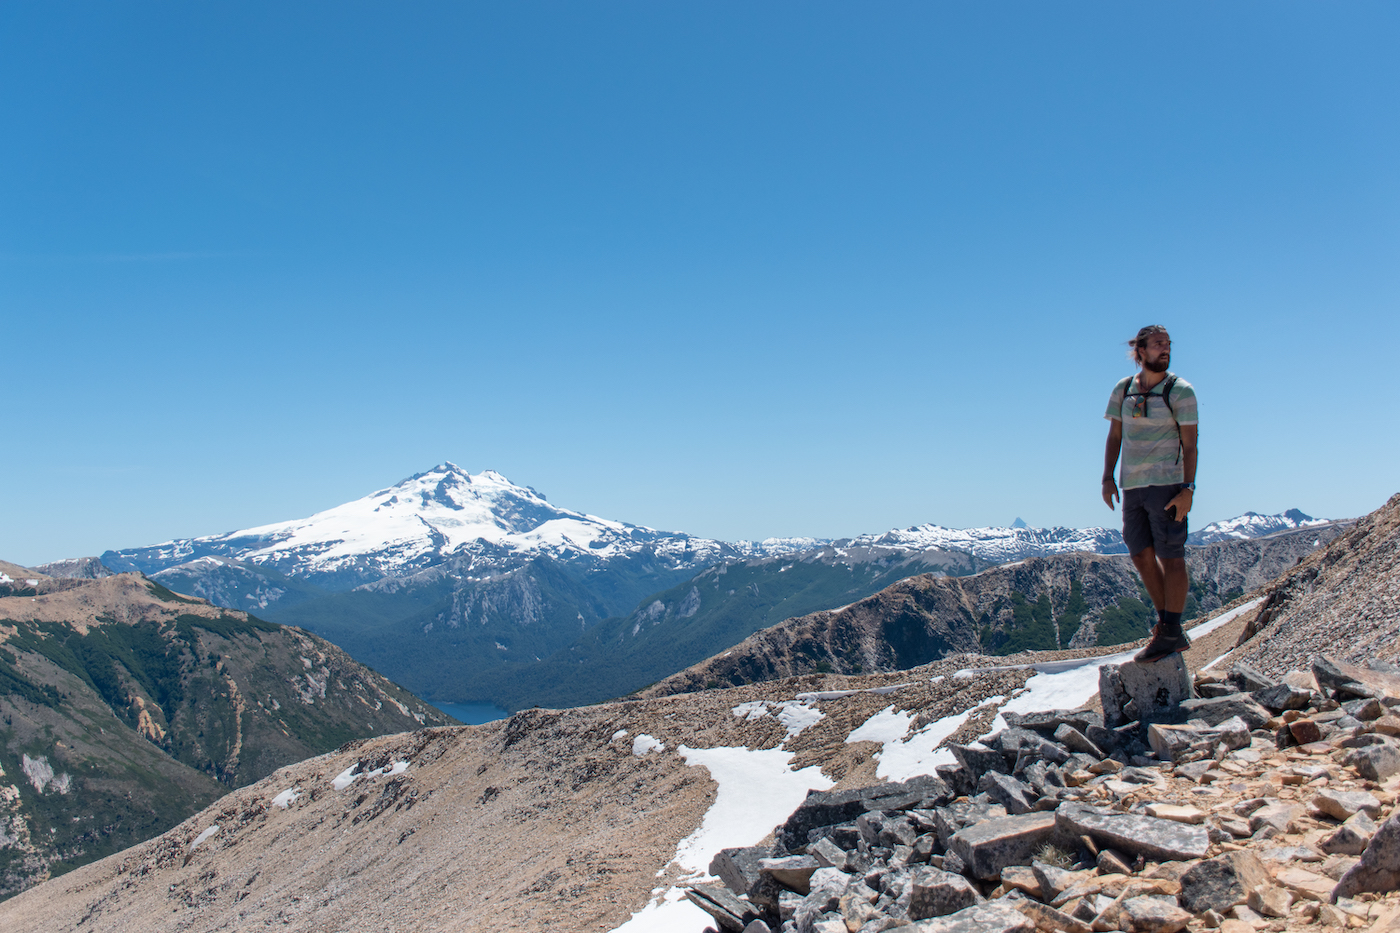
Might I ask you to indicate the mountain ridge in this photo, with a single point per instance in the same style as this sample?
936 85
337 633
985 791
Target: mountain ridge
125 707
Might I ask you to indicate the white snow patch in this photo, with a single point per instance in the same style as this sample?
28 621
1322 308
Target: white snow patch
645 743
756 790
888 725
667 912
203 836
619 734
755 709
798 716
286 798
347 777
903 758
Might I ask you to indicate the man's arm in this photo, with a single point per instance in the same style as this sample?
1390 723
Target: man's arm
1180 505
1110 459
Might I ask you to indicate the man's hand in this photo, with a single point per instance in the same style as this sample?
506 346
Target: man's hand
1110 491
1181 505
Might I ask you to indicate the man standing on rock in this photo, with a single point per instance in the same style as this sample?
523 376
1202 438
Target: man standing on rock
1152 418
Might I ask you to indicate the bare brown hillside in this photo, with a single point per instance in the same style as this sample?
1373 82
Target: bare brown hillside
545 821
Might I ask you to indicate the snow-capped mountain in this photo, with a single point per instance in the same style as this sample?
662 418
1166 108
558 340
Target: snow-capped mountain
996 545
1254 525
419 523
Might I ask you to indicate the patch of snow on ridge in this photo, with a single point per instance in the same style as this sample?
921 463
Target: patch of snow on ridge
212 830
754 709
798 716
348 776
286 798
757 791
645 743
903 758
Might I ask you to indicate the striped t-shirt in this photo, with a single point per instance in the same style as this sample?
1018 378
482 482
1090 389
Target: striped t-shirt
1151 454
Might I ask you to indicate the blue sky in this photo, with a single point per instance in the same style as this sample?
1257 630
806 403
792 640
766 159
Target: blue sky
735 269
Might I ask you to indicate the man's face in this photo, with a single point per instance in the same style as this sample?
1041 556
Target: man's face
1157 354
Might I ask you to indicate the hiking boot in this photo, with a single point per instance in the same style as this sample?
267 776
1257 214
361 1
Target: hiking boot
1161 646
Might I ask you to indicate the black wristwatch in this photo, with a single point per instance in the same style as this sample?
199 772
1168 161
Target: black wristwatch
1190 486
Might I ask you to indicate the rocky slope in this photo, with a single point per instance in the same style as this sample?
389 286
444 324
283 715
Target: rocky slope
126 707
1344 600
1062 601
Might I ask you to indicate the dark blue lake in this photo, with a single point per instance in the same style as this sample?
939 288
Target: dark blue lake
473 714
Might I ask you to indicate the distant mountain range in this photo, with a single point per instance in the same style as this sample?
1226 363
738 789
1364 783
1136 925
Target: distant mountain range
471 588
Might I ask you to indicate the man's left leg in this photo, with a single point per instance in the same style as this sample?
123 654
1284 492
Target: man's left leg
1170 540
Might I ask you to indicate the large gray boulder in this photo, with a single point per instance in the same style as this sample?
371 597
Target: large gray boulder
739 868
1223 882
1144 692
1374 762
1379 868
935 893
1163 840
987 847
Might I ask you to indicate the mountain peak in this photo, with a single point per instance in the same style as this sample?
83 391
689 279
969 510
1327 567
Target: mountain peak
1019 523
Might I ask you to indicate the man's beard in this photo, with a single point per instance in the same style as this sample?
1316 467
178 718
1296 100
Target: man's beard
1158 365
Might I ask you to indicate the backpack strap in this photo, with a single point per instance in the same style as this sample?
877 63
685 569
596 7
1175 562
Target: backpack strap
1167 395
1125 384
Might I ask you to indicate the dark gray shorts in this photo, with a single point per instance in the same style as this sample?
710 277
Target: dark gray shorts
1147 523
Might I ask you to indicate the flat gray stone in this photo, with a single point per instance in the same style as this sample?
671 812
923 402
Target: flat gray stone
1221 883
730 912
987 847
1279 815
1344 804
977 761
1153 915
793 872
948 820
1247 679
1215 710
1351 838
935 893
1173 742
1162 840
996 917
1050 720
